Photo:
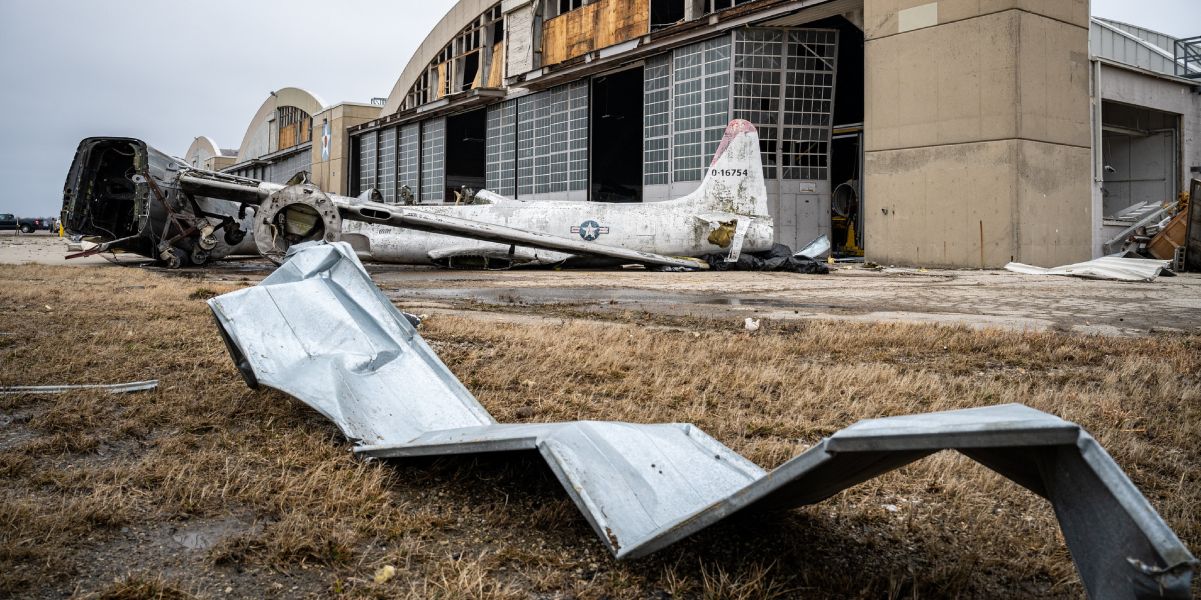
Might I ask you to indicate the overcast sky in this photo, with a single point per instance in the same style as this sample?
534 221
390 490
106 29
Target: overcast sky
167 72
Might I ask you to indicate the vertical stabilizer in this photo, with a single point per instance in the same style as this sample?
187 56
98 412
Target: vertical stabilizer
733 182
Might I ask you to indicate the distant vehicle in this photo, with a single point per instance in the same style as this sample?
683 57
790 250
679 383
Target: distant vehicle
10 222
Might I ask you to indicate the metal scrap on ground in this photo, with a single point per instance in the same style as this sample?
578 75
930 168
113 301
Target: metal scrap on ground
1108 267
319 329
112 388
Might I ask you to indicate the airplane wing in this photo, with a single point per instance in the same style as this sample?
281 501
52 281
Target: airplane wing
371 212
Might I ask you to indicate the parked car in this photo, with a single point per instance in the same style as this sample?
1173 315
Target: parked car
10 222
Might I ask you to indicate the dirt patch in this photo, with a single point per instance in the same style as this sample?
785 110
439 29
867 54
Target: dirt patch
203 487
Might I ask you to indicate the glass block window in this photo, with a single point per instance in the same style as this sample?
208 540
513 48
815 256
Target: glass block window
525 144
656 115
408 159
784 84
433 161
701 91
578 135
552 140
367 161
386 168
808 103
501 171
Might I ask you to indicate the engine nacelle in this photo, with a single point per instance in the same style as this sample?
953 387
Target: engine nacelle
294 215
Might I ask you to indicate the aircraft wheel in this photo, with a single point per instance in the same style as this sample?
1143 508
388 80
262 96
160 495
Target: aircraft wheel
199 256
174 258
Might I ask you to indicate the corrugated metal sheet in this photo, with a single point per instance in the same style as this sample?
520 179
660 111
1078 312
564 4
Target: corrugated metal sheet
1110 41
320 330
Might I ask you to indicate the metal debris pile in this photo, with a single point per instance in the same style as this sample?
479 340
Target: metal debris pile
319 329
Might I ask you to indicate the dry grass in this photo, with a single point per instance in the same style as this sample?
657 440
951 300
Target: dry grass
96 490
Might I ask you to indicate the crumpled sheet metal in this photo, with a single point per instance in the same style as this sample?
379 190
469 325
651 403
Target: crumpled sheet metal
1107 267
320 330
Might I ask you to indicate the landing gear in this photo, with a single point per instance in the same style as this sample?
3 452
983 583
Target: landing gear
174 258
199 256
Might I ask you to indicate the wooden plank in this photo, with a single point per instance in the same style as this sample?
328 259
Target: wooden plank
496 70
441 91
598 25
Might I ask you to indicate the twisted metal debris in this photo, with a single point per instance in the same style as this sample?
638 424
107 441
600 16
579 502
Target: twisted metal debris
320 330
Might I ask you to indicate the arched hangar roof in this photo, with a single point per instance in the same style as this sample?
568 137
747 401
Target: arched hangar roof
256 141
460 16
202 149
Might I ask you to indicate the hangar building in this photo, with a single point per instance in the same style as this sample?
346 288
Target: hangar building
952 133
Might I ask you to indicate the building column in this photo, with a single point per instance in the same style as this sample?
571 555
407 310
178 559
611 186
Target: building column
977 125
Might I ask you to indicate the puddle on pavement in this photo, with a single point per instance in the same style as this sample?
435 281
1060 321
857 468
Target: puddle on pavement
601 297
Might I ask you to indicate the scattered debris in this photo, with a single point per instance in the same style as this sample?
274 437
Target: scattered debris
751 325
385 573
319 329
113 388
1108 267
779 258
816 249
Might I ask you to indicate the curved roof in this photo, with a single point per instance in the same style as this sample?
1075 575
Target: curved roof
256 141
202 149
460 16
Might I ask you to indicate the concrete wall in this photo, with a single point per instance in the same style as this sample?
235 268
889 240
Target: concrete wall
330 175
977 132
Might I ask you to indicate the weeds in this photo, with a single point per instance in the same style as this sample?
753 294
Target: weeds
94 487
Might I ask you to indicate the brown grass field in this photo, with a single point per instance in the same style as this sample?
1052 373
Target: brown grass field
205 488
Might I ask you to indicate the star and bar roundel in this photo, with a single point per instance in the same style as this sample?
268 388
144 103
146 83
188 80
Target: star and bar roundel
590 230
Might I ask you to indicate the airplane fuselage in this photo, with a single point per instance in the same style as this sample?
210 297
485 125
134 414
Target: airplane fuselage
670 228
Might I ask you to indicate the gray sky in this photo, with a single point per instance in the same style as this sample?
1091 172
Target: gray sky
167 72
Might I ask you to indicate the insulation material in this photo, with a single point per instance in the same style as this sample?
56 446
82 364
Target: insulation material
319 329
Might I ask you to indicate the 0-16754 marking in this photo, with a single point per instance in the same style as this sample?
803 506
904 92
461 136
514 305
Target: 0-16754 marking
729 172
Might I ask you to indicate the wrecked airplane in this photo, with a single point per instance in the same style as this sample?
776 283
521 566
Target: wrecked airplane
320 330
132 197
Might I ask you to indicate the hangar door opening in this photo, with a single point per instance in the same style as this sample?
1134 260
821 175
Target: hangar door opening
617 118
1140 158
466 152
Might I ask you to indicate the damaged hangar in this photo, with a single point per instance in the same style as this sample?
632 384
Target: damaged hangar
948 133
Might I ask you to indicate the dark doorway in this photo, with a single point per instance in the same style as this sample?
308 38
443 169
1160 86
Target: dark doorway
466 155
617 137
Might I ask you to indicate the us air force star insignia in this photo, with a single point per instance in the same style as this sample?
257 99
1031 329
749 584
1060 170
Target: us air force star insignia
590 230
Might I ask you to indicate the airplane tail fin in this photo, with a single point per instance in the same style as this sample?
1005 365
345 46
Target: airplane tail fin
734 182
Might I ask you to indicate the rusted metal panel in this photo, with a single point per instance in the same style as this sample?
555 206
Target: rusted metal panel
320 330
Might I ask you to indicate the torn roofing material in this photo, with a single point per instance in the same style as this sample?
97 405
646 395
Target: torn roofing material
320 330
1107 267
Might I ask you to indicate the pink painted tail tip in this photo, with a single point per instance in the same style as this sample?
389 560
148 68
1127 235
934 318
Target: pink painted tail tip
736 127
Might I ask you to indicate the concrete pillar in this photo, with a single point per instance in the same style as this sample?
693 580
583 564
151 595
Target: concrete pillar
978 144
329 174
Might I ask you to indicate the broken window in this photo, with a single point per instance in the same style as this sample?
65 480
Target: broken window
295 127
784 84
665 13
555 8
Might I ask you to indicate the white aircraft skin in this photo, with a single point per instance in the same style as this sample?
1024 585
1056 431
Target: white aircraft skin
732 194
